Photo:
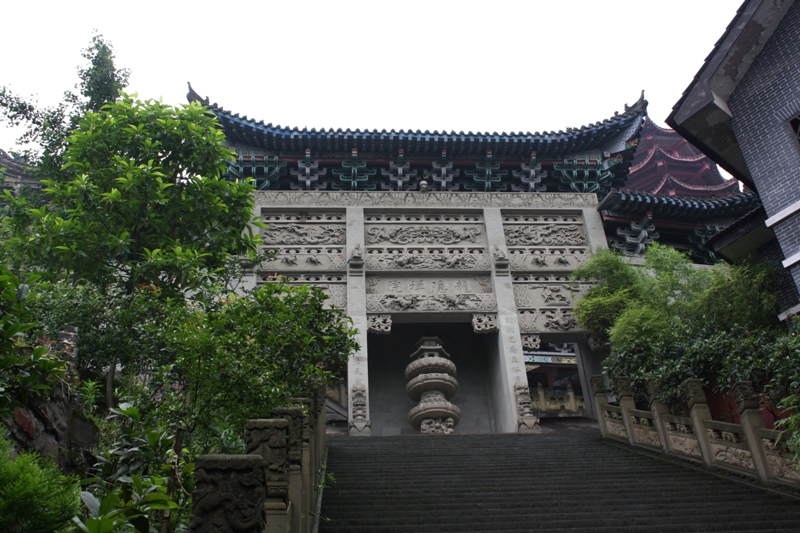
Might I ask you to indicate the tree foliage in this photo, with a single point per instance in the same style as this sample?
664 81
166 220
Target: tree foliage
147 204
670 320
34 496
47 128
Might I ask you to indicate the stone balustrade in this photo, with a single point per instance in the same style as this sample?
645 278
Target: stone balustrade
276 487
747 450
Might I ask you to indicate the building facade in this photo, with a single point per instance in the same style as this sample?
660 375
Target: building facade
743 110
450 252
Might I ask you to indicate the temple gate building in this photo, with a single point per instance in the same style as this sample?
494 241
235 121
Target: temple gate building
451 253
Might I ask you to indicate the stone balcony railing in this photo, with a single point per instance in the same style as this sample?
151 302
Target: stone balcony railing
746 450
276 487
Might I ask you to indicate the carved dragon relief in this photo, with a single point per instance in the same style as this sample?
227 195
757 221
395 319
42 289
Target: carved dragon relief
423 234
304 234
543 320
383 303
436 261
544 235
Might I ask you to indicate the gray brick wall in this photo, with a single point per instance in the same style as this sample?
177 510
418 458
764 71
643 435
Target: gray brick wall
787 291
762 104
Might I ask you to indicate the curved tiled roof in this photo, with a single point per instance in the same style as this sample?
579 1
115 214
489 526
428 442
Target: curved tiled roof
573 140
685 208
15 169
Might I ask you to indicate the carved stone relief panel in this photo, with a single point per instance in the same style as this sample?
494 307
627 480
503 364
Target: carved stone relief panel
547 320
425 241
310 248
547 294
331 284
397 294
550 242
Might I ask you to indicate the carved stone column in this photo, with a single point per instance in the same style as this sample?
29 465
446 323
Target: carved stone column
751 420
357 365
626 403
659 409
294 417
507 364
699 411
432 382
229 494
600 397
270 439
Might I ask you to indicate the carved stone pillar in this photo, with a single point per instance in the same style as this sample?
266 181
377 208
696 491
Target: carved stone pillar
270 440
659 409
751 420
229 494
357 365
294 417
600 397
699 411
626 403
431 377
573 404
542 398
507 364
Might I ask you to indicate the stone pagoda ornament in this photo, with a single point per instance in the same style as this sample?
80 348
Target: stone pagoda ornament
431 377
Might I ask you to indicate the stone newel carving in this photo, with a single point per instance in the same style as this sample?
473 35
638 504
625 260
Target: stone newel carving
229 494
431 377
526 421
358 405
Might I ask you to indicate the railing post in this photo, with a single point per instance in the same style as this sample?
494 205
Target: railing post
659 409
294 415
542 399
751 421
600 400
699 413
269 439
229 494
626 403
573 405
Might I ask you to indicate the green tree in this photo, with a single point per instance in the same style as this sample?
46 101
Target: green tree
47 128
147 204
670 320
34 496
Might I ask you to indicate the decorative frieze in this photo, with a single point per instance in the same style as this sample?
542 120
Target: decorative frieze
531 342
429 199
447 259
547 320
307 258
544 235
294 234
550 259
423 234
378 303
484 323
379 324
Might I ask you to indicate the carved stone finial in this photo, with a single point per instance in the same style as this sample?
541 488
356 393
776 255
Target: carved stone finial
653 391
484 323
693 390
229 494
356 261
745 396
500 259
379 324
597 384
622 385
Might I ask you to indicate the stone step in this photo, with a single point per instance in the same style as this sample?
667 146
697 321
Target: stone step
564 481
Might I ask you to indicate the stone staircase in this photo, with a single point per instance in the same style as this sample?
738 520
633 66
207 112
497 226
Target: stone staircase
566 479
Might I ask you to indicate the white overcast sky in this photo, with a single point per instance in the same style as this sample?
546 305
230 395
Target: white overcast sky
435 65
